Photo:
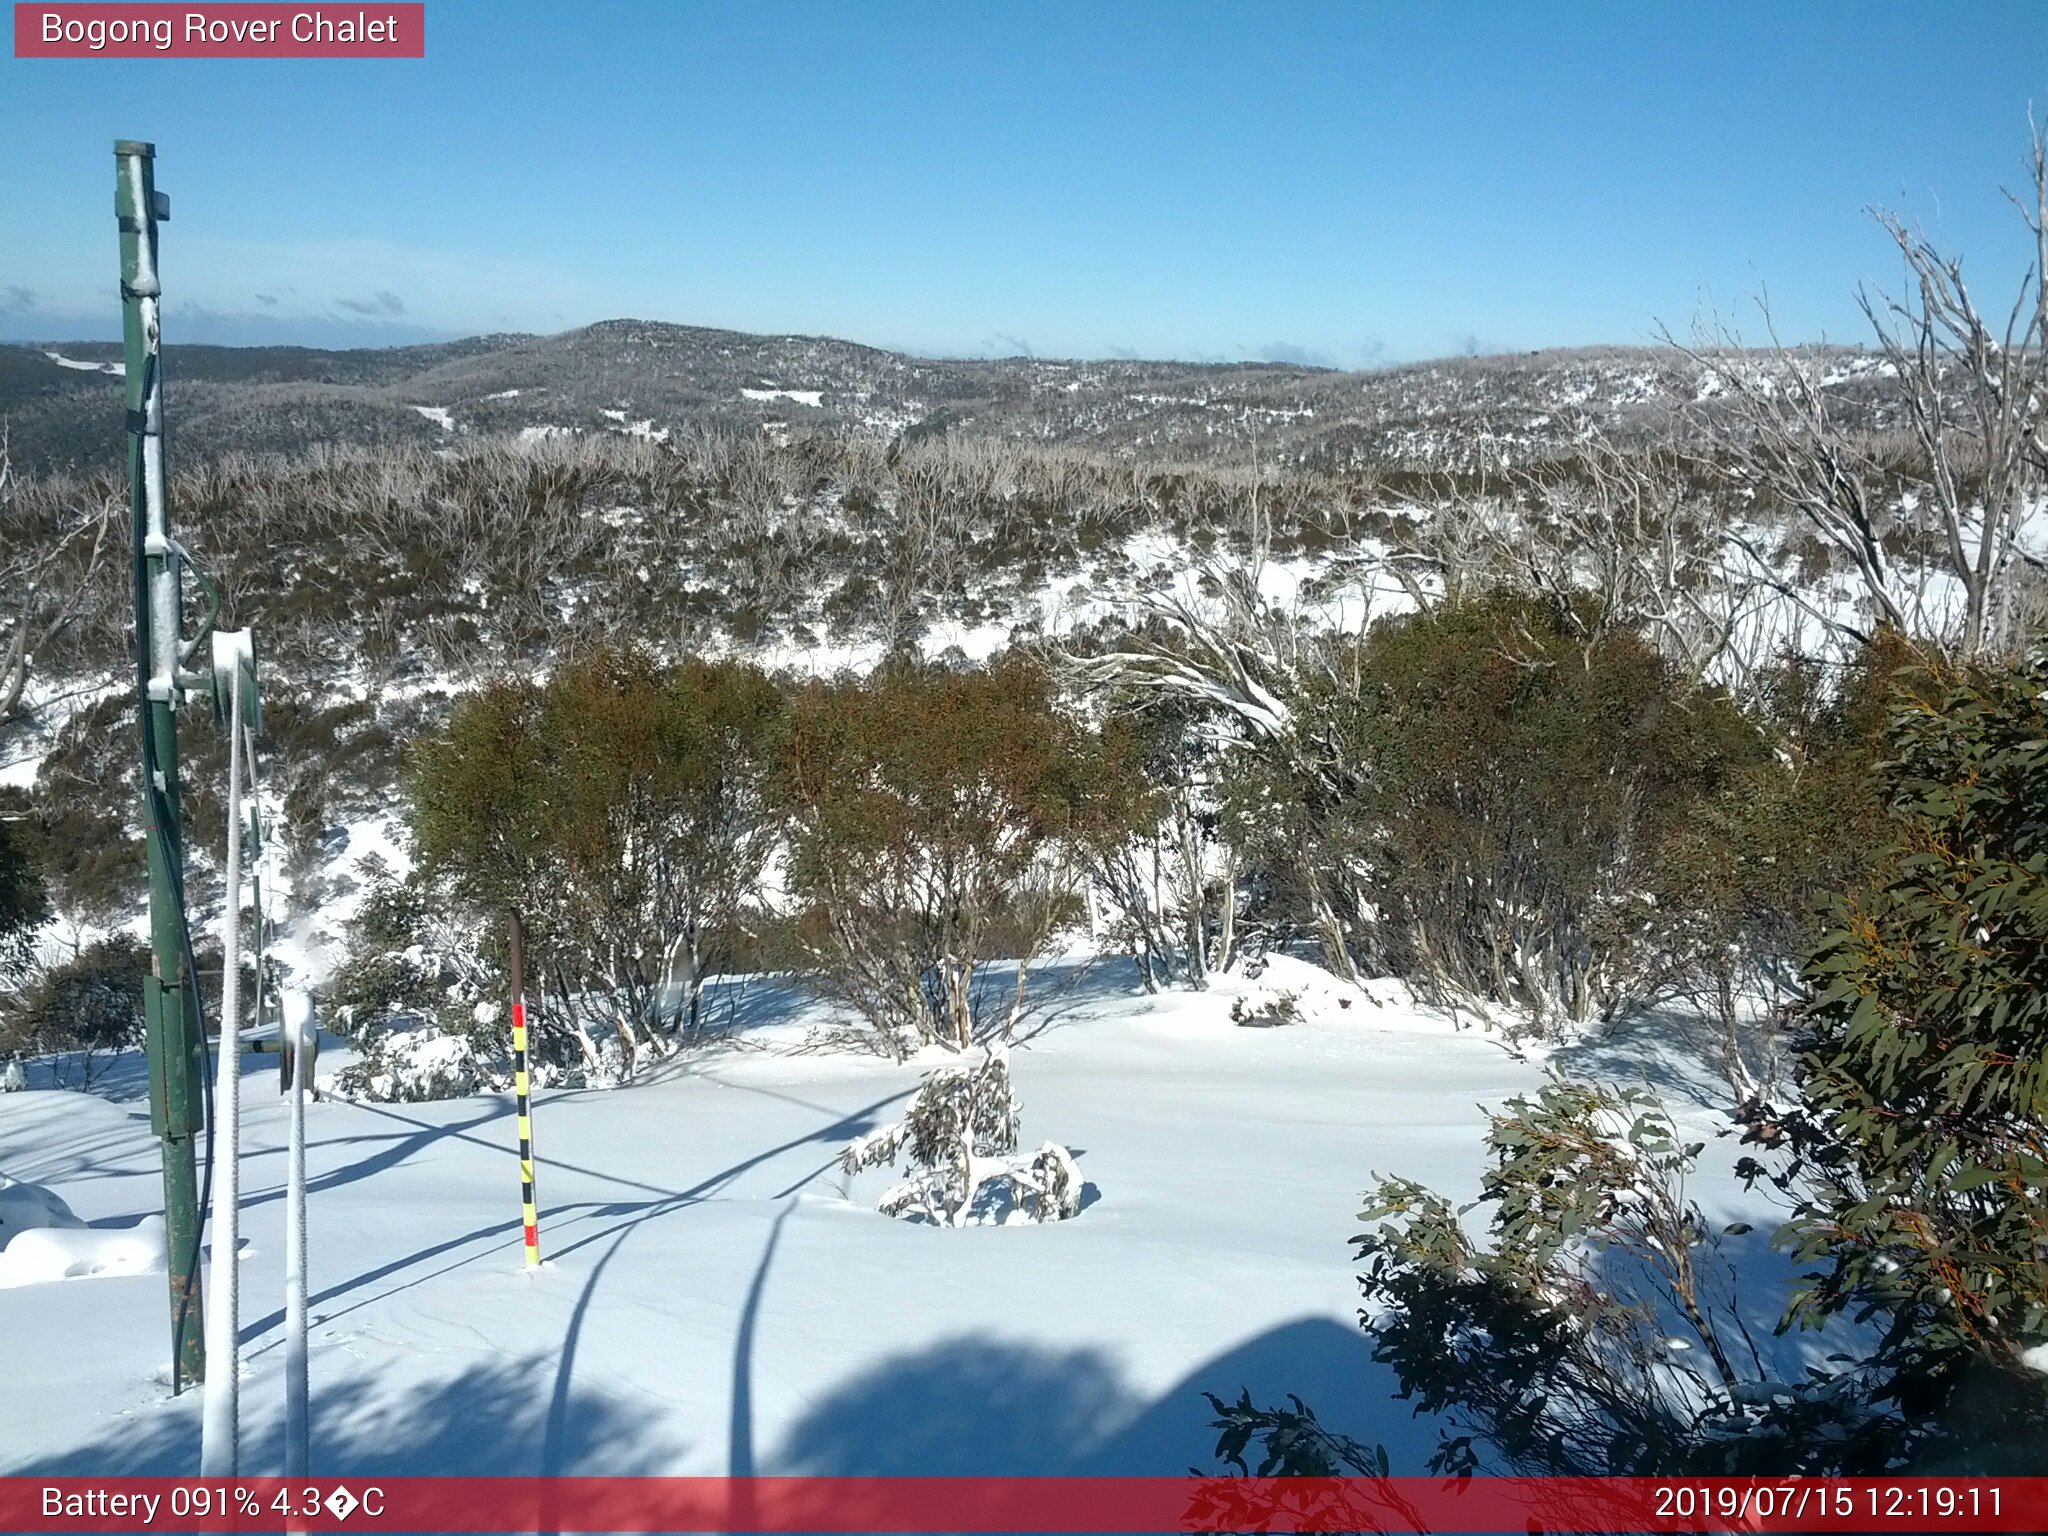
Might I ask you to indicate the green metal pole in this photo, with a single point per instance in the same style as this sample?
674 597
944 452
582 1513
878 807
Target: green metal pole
174 1046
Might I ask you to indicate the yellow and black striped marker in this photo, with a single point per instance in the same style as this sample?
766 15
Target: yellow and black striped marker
528 1212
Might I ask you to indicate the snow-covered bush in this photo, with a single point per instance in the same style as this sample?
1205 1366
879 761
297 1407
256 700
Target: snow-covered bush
24 1206
421 997
960 1141
409 962
409 1066
41 1239
1267 1009
69 1253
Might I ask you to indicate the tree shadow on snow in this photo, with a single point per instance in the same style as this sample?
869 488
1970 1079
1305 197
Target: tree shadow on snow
967 1406
495 1419
1744 1286
560 1218
1056 992
1674 1050
971 1406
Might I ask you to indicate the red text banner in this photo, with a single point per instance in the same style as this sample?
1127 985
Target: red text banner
1020 1504
233 31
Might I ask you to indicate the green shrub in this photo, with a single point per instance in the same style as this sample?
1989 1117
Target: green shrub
940 820
24 899
1919 1149
1916 1153
622 809
1744 879
81 1013
1477 798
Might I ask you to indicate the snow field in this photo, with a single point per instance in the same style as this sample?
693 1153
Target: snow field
718 1297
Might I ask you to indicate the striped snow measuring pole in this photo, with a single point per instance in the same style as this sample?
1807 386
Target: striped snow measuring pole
521 1084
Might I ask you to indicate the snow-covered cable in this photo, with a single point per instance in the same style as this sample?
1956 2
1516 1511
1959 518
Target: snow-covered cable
218 1422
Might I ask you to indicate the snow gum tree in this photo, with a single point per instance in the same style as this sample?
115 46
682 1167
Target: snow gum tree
1167 895
622 807
49 561
939 820
659 781
1483 793
1938 519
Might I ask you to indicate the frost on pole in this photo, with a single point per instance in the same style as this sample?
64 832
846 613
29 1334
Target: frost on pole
234 688
298 1036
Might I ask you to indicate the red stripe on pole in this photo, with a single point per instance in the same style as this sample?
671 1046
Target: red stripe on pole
98 30
1016 1504
532 1236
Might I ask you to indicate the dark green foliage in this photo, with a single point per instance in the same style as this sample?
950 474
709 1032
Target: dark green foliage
622 809
1920 1148
658 791
386 973
24 899
81 1012
1478 797
478 808
1744 879
84 821
938 820
1292 1442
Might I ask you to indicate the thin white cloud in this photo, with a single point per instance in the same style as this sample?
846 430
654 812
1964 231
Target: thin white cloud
356 278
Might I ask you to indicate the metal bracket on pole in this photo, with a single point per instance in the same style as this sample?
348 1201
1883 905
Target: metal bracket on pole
235 650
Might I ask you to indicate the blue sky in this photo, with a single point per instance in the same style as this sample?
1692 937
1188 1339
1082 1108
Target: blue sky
1346 184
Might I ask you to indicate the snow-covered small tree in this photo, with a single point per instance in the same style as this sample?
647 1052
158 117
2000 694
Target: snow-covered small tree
960 1140
419 994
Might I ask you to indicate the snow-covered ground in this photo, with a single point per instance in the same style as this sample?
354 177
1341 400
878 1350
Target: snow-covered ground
813 398
718 1297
